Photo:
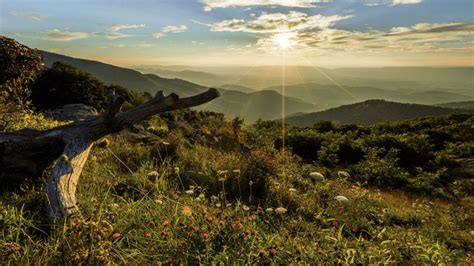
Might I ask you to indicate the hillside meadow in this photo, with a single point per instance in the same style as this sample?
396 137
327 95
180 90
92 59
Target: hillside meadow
214 190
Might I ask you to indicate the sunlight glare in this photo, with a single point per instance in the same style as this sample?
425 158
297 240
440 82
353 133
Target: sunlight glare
285 40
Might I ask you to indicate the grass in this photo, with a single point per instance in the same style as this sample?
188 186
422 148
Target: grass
250 205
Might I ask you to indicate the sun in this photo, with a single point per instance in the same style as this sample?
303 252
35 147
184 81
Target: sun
284 41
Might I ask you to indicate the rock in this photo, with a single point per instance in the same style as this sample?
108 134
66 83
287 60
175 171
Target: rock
72 112
317 177
342 199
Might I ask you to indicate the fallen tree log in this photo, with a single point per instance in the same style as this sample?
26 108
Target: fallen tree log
29 152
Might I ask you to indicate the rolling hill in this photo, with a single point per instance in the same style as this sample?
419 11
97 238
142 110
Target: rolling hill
370 112
264 105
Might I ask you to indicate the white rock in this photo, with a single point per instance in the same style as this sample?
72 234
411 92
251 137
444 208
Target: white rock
317 176
341 199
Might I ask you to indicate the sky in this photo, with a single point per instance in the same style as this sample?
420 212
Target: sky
326 33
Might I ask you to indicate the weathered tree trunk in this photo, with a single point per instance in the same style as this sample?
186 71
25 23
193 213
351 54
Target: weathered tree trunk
27 153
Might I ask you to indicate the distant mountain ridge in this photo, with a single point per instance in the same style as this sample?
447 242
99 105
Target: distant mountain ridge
326 96
459 105
370 112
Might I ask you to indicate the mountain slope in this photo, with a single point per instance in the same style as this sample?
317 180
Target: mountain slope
128 78
370 112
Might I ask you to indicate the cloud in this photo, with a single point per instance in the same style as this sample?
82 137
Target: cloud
158 35
422 37
64 36
28 15
114 31
392 2
210 4
121 45
169 29
174 29
276 22
405 2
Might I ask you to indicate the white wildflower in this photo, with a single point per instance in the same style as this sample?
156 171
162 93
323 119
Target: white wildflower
245 207
189 191
292 190
281 210
269 209
153 175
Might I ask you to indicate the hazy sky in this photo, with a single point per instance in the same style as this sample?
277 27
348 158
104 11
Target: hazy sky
248 32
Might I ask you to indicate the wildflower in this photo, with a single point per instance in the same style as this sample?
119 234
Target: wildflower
269 209
209 219
152 175
245 207
229 205
280 210
218 205
354 229
189 191
237 171
250 218
205 235
292 190
247 232
186 210
239 225
250 183
114 205
165 143
272 252
221 222
222 172
165 234
166 223
116 235
176 170
159 201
